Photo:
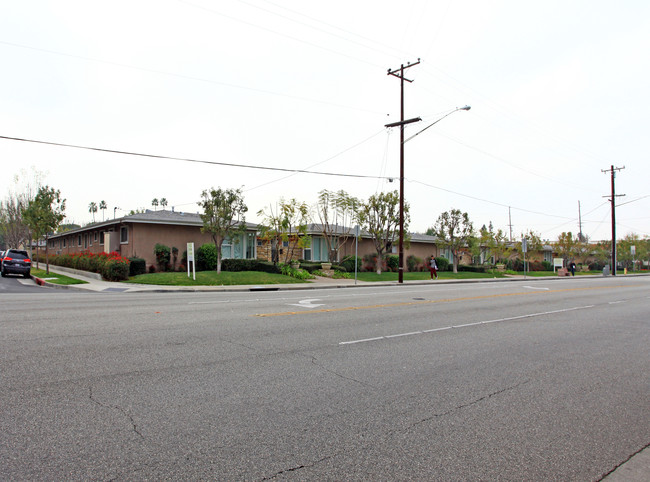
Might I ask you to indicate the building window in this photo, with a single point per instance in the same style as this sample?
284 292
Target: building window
79 241
226 249
124 235
101 238
85 241
64 240
95 236
250 245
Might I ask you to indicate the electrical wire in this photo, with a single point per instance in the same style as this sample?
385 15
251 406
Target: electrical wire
189 77
199 161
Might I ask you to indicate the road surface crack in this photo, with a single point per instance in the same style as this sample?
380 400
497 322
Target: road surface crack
328 370
299 467
469 404
118 408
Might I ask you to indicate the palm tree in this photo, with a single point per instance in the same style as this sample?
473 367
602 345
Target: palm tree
92 208
163 202
154 203
102 206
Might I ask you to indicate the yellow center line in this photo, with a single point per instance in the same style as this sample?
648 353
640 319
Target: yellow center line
426 302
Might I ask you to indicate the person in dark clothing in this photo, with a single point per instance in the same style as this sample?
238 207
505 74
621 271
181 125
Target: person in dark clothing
572 267
433 268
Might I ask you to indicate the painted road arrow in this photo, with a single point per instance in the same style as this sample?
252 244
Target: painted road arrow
307 303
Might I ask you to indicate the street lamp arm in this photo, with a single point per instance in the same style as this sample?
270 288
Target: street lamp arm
467 107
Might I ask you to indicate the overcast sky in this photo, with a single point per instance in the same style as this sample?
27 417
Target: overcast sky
559 91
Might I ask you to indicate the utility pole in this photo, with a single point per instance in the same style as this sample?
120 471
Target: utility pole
510 223
580 236
399 73
613 170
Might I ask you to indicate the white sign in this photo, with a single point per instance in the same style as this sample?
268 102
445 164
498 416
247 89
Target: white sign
190 259
524 245
633 250
558 263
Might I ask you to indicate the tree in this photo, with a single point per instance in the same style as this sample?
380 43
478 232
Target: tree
92 208
12 225
494 243
380 217
163 202
454 229
286 225
103 207
567 246
223 216
337 212
44 214
154 203
624 250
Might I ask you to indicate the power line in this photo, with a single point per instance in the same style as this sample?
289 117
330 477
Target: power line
188 77
199 161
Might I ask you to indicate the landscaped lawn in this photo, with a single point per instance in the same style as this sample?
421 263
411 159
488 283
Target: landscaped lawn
424 275
57 279
211 278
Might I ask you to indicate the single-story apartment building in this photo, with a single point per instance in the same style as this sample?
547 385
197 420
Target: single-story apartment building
137 234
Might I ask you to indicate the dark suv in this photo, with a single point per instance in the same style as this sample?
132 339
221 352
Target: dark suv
16 261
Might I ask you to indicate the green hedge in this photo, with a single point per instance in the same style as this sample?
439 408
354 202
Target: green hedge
137 266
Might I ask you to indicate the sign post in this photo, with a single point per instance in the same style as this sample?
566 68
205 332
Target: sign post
524 249
190 259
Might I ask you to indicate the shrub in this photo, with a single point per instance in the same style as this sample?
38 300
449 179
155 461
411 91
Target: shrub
392 262
596 266
163 256
548 266
152 268
370 262
349 262
248 265
287 270
413 263
116 269
471 268
443 263
137 266
206 257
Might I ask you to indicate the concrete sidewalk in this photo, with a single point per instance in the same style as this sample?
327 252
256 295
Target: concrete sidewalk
95 283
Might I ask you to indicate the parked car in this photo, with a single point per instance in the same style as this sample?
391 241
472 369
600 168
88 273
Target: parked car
16 261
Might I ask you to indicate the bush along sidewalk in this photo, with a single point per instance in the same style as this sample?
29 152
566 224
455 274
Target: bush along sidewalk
111 266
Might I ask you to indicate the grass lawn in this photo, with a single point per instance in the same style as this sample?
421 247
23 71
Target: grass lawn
57 279
211 278
424 275
551 273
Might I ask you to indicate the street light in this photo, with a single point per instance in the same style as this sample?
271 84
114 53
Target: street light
401 124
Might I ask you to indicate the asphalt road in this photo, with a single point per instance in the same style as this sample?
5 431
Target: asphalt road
531 380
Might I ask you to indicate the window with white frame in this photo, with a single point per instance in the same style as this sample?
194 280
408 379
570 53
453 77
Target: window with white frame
124 235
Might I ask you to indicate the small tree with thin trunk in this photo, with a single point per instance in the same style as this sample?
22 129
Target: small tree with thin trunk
454 229
102 206
92 208
44 214
288 224
223 216
380 217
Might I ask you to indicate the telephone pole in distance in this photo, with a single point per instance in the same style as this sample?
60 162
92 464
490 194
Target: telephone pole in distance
612 199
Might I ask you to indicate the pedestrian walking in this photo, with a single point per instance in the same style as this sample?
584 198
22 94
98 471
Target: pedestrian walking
433 267
572 266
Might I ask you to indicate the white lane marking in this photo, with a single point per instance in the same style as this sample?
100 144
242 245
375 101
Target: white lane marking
535 288
616 302
307 303
530 315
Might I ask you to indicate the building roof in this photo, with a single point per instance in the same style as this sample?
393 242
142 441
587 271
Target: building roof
149 217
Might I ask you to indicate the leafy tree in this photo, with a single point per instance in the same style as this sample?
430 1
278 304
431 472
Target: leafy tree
44 214
287 224
624 250
92 208
337 213
103 207
494 243
567 246
163 202
380 217
223 216
154 203
454 229
12 225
